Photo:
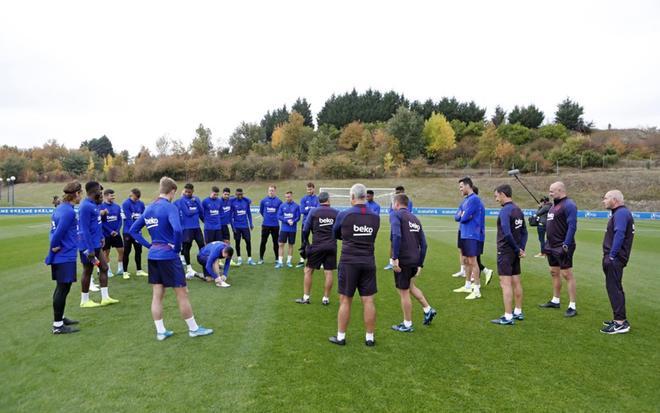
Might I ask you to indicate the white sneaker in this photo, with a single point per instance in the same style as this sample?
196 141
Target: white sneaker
459 274
473 295
190 274
222 284
93 287
110 274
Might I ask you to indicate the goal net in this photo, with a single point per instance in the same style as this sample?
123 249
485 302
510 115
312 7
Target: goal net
341 197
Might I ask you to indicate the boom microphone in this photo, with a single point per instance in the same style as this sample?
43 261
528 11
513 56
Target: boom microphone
515 173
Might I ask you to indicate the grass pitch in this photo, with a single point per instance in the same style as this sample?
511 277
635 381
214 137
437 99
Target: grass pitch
270 354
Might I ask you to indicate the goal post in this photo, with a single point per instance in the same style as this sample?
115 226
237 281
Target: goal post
341 197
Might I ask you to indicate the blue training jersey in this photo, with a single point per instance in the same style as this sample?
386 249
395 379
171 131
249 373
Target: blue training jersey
132 210
473 219
307 203
288 211
89 226
225 211
191 211
268 209
63 234
212 252
241 216
212 213
111 221
373 205
164 225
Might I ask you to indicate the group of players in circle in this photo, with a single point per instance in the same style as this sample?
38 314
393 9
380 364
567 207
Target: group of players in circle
174 225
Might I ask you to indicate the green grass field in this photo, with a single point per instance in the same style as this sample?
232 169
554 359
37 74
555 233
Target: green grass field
270 354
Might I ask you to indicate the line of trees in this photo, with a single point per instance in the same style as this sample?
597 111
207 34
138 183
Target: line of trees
368 134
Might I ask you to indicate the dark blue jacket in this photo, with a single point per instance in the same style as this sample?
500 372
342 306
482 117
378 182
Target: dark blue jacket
307 203
191 211
473 219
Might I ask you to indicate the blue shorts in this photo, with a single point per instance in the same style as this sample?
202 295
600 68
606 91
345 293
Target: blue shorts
167 272
83 257
469 247
287 238
211 235
64 272
508 263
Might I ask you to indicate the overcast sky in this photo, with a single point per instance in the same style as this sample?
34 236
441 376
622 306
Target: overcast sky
136 70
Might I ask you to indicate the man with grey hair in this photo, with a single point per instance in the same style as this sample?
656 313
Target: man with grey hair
560 246
357 227
616 252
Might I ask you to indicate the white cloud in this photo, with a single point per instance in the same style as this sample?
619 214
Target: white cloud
137 70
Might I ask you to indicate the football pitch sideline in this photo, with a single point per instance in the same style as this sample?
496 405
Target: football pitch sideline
270 354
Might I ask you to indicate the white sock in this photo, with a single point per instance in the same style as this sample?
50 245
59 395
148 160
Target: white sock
391 261
84 297
341 336
249 258
302 259
517 311
370 336
240 259
279 259
508 316
192 325
468 285
571 305
427 309
58 323
405 323
288 259
160 326
189 268
120 267
305 297
476 288
104 293
555 300
91 277
463 269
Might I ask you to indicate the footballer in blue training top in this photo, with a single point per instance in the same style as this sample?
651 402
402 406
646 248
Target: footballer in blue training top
132 209
111 220
288 214
270 226
163 222
212 207
191 211
307 203
62 255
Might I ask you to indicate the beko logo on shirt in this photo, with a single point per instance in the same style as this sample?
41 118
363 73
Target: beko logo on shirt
111 218
326 221
151 222
518 223
271 210
135 215
240 212
414 227
226 209
362 230
214 212
551 216
288 215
